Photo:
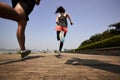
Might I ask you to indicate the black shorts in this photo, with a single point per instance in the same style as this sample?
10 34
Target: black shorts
27 5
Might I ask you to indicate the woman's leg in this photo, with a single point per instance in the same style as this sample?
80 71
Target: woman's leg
58 37
61 43
8 12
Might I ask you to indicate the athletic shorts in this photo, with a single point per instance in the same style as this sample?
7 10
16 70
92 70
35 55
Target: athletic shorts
61 28
27 5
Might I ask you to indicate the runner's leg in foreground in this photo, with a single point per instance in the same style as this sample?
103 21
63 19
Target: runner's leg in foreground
19 15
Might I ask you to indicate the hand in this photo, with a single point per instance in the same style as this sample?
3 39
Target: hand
57 23
71 23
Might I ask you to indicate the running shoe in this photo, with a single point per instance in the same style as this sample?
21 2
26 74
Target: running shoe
25 53
59 53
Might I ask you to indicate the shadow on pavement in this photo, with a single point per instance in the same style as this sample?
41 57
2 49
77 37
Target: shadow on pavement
94 64
14 60
58 56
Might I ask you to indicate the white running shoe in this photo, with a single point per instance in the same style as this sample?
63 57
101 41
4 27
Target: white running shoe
59 53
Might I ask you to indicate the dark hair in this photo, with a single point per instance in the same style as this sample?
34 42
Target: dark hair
60 10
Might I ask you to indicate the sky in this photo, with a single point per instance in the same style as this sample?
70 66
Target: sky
89 17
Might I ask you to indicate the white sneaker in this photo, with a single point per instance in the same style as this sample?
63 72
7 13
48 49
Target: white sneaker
59 53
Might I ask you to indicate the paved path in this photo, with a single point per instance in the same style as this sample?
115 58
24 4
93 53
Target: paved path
48 66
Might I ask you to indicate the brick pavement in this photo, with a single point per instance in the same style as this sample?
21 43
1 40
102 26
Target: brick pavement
48 66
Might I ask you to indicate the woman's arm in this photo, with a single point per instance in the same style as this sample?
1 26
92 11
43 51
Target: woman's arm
57 20
69 19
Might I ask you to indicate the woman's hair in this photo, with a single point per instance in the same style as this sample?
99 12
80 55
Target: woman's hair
60 10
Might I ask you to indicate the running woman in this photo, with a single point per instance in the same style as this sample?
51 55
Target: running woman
62 26
19 13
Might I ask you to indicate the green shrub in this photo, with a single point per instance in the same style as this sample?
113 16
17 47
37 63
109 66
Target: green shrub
110 42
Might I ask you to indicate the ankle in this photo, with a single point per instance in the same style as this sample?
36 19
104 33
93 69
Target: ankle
22 51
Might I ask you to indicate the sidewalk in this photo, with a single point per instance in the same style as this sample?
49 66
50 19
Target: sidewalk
48 66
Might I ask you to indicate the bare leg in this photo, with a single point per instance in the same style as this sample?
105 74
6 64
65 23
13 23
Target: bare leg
8 12
17 14
21 27
21 34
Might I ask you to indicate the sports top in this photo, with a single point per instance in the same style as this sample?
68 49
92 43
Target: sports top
62 20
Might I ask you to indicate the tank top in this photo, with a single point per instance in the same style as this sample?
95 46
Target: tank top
62 20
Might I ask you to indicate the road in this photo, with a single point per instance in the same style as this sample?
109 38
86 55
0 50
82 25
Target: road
49 66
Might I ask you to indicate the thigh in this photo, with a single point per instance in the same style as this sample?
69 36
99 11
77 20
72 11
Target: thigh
65 29
8 13
58 28
18 8
27 6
